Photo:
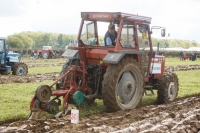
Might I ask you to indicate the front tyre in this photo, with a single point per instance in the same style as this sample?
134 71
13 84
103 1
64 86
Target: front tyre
45 55
20 68
123 85
168 88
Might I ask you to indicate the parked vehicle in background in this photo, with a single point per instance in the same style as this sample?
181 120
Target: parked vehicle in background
46 52
11 61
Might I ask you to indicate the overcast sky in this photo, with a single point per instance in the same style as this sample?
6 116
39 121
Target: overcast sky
180 17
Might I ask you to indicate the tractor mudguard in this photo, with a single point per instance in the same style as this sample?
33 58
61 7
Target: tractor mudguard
114 58
71 54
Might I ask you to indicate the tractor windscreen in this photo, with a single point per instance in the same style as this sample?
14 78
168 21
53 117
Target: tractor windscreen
98 36
95 36
1 46
127 38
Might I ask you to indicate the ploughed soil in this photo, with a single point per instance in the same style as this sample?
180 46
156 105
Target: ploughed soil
181 116
182 67
44 65
4 79
28 78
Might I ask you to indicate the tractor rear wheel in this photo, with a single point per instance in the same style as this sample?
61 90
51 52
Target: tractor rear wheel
123 85
168 88
20 69
45 55
64 70
69 62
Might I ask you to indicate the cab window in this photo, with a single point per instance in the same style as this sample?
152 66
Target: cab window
88 33
90 36
127 35
143 37
1 46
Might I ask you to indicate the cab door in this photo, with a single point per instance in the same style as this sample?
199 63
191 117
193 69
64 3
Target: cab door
2 52
144 45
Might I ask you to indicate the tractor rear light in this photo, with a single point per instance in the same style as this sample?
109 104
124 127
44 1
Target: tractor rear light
113 51
101 62
71 47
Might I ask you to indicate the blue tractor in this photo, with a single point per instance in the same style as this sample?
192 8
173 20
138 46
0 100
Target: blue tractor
10 61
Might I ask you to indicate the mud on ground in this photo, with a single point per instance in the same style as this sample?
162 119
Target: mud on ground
42 60
44 65
182 116
28 78
182 67
53 76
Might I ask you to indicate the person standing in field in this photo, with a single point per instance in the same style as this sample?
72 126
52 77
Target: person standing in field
181 55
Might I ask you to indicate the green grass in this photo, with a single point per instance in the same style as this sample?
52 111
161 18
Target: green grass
176 61
15 97
189 82
39 63
42 70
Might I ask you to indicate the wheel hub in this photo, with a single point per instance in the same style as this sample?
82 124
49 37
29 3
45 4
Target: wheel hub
126 88
43 93
171 91
20 70
45 55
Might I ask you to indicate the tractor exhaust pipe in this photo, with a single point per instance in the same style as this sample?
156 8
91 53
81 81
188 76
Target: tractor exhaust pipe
158 48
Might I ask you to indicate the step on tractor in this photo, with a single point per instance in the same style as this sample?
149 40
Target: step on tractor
119 74
10 62
46 52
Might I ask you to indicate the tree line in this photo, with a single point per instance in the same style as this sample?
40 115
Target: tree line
35 40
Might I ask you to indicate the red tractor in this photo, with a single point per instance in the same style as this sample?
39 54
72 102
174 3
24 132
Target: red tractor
119 75
46 52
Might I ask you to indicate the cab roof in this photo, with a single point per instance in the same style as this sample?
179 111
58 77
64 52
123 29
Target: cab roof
114 15
2 38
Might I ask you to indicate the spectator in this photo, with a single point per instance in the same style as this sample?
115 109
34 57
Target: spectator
58 52
21 52
195 55
192 56
32 54
27 52
181 56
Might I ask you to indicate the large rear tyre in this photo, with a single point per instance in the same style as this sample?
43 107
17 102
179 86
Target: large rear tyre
64 70
20 68
123 85
168 88
69 62
45 55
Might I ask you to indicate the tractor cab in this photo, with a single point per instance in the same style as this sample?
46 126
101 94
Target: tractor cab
46 47
133 38
2 51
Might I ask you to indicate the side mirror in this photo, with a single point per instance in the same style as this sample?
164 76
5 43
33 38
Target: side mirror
163 32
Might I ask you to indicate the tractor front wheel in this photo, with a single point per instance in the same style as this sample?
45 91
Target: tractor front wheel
45 55
20 69
168 88
123 85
